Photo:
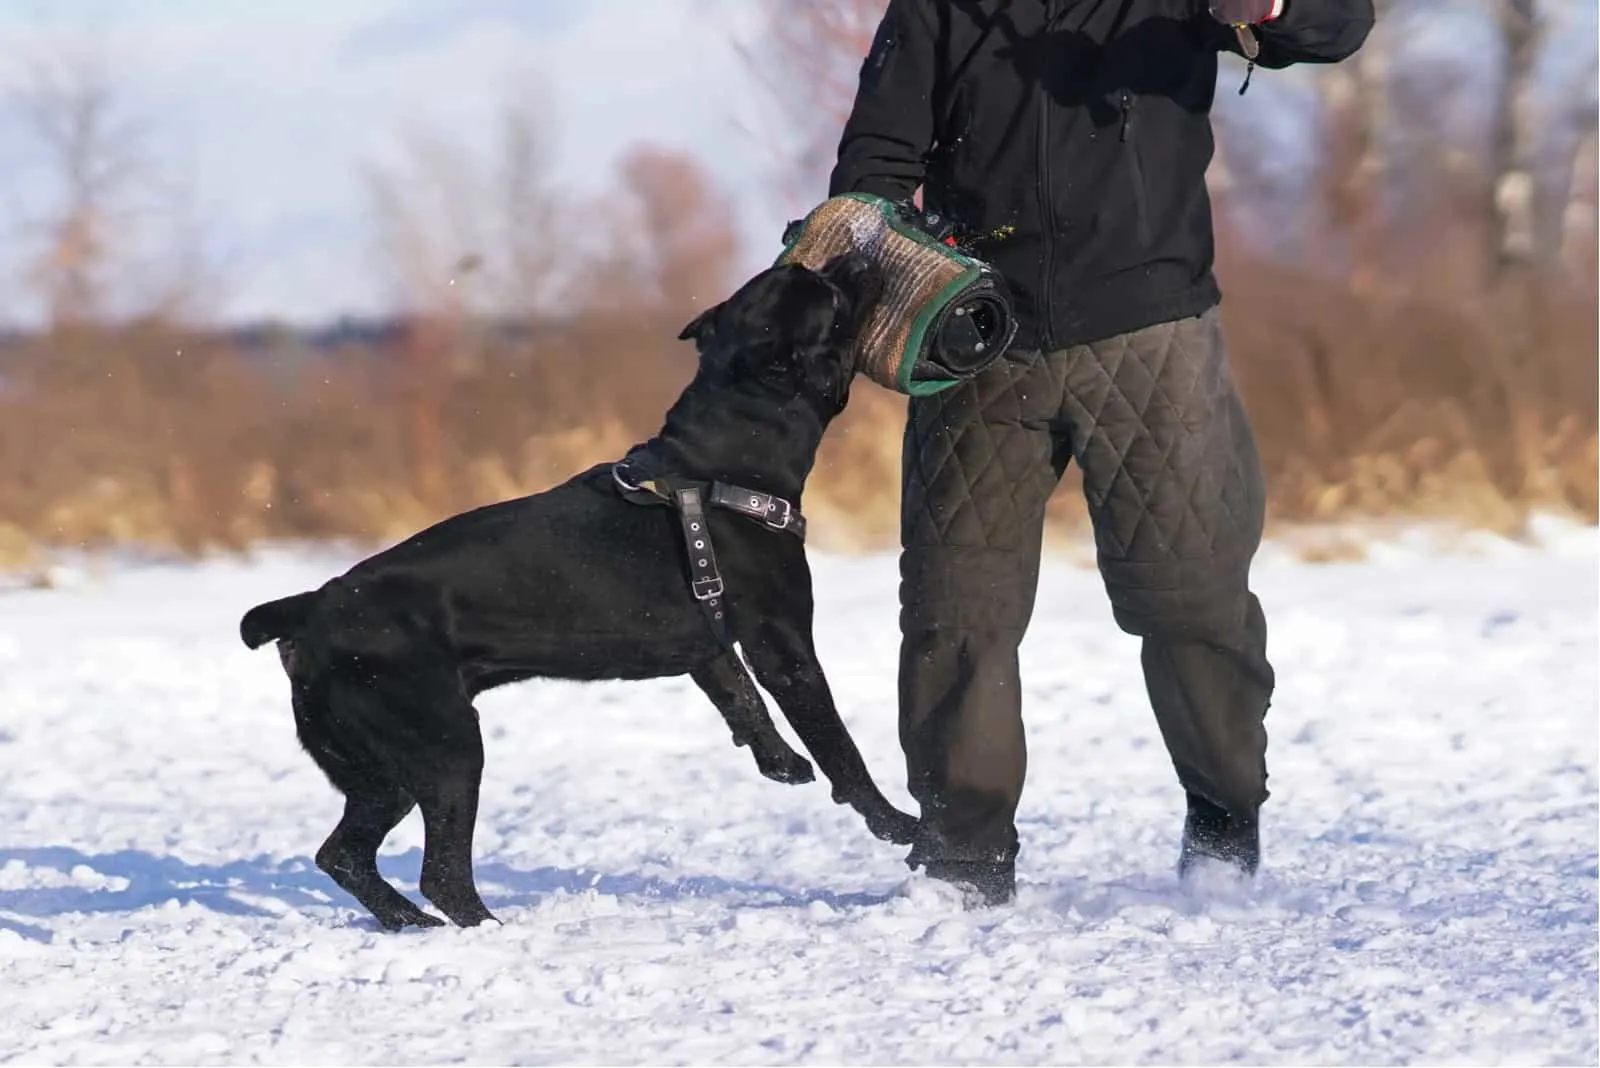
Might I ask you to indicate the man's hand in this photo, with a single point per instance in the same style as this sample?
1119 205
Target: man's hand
1245 12
1241 15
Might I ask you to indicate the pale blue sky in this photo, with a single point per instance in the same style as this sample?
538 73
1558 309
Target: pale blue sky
271 107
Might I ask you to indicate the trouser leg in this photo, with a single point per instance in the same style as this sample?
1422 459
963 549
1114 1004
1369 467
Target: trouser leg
981 461
1177 501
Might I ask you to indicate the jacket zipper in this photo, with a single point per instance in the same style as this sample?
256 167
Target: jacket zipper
1140 198
1046 206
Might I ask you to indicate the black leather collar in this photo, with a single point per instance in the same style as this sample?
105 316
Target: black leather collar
770 510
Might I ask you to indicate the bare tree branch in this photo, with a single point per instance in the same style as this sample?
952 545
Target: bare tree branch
689 240
428 215
108 232
441 207
806 63
92 156
1515 138
1575 201
531 211
1580 210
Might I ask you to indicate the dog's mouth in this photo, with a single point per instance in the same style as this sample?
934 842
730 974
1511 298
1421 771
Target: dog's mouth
869 288
851 314
847 321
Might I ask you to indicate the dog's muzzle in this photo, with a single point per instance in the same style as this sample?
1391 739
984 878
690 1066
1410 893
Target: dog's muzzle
944 315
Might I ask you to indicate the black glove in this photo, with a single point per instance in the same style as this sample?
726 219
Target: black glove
936 226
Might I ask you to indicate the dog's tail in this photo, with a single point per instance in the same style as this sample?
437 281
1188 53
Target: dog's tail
277 619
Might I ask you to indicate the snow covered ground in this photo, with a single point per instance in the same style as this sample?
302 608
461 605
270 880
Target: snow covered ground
1429 892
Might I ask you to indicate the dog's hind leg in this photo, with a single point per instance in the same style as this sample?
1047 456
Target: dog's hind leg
386 730
730 687
372 809
445 782
786 663
330 707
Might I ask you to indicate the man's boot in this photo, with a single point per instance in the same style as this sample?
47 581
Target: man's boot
1210 832
985 877
984 884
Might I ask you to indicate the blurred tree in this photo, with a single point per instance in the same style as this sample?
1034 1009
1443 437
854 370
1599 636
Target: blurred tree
1514 142
107 233
806 60
688 237
463 229
463 236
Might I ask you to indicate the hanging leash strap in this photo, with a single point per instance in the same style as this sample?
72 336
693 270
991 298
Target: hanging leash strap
705 580
690 500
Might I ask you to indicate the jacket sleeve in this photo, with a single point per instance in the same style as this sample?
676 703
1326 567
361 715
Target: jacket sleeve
884 146
1309 31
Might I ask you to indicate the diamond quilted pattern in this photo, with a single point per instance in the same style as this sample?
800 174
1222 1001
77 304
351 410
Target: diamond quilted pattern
1165 452
1170 469
979 456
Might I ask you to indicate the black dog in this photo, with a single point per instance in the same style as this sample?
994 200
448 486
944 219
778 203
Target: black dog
587 581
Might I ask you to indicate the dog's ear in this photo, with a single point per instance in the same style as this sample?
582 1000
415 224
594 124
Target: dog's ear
700 325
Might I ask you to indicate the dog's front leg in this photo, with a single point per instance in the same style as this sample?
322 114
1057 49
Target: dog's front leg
731 689
786 663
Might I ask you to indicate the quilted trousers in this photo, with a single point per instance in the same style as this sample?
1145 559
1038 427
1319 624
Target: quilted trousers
1173 484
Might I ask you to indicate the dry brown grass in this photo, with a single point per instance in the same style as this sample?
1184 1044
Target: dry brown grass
1363 410
1377 406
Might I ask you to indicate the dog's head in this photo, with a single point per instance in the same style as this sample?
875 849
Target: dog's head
792 329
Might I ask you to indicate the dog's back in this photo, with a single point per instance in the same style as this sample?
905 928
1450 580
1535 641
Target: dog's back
574 583
477 547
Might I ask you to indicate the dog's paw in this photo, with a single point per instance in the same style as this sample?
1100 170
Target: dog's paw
789 768
399 921
893 826
470 914
478 921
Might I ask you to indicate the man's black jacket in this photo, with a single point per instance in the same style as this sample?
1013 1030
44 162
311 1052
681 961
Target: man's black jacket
1083 125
